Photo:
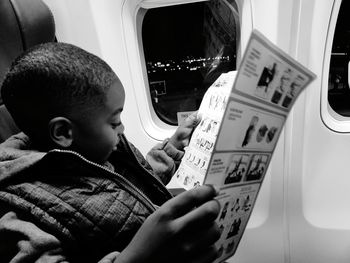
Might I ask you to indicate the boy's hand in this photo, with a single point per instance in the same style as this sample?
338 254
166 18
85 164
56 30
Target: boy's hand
182 135
162 158
182 230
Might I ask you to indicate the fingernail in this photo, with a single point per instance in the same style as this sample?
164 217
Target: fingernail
217 189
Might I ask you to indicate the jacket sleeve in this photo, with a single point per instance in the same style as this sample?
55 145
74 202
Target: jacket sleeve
22 241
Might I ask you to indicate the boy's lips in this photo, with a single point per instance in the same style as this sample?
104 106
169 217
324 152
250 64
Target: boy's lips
116 144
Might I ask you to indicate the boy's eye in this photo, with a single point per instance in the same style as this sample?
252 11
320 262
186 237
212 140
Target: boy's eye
115 124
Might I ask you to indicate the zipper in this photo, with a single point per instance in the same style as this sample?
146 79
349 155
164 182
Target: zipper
159 182
128 185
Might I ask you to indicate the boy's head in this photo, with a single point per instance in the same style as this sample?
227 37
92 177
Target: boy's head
64 97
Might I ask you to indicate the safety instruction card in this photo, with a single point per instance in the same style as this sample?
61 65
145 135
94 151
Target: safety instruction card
243 114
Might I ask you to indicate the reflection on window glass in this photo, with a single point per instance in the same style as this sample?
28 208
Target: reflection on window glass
186 48
338 84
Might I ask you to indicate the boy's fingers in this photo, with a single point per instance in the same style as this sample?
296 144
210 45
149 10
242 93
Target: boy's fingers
173 152
159 157
186 201
192 120
206 255
163 156
159 146
110 258
203 237
202 216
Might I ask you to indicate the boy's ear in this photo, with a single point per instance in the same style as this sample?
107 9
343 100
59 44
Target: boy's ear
61 131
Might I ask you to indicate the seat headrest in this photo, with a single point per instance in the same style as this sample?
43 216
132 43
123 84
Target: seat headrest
23 24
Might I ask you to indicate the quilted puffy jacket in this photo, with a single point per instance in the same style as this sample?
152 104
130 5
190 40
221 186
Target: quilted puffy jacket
86 208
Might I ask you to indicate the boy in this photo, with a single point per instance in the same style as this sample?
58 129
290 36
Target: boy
75 189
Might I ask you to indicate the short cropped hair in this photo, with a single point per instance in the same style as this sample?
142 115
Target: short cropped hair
53 80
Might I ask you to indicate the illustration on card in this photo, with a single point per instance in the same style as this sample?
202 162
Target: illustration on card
236 206
224 211
222 167
234 228
258 129
266 133
271 134
294 88
192 169
188 179
282 86
267 76
236 168
185 177
289 87
250 130
257 167
230 246
247 204
217 102
209 126
203 144
215 99
196 161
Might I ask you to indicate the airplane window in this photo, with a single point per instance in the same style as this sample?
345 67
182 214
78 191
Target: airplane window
186 47
338 83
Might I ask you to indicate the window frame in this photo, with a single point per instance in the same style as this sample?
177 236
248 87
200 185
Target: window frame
132 16
333 120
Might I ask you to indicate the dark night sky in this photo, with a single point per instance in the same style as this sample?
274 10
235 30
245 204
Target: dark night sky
168 32
342 34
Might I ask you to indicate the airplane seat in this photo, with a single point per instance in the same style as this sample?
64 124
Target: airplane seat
23 24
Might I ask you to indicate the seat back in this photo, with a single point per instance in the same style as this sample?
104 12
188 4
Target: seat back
23 24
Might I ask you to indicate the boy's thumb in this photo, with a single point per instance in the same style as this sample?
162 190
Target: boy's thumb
192 121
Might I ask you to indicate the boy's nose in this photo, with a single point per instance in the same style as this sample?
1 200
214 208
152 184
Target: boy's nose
121 129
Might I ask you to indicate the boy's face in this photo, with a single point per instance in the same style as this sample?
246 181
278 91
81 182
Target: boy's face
98 135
